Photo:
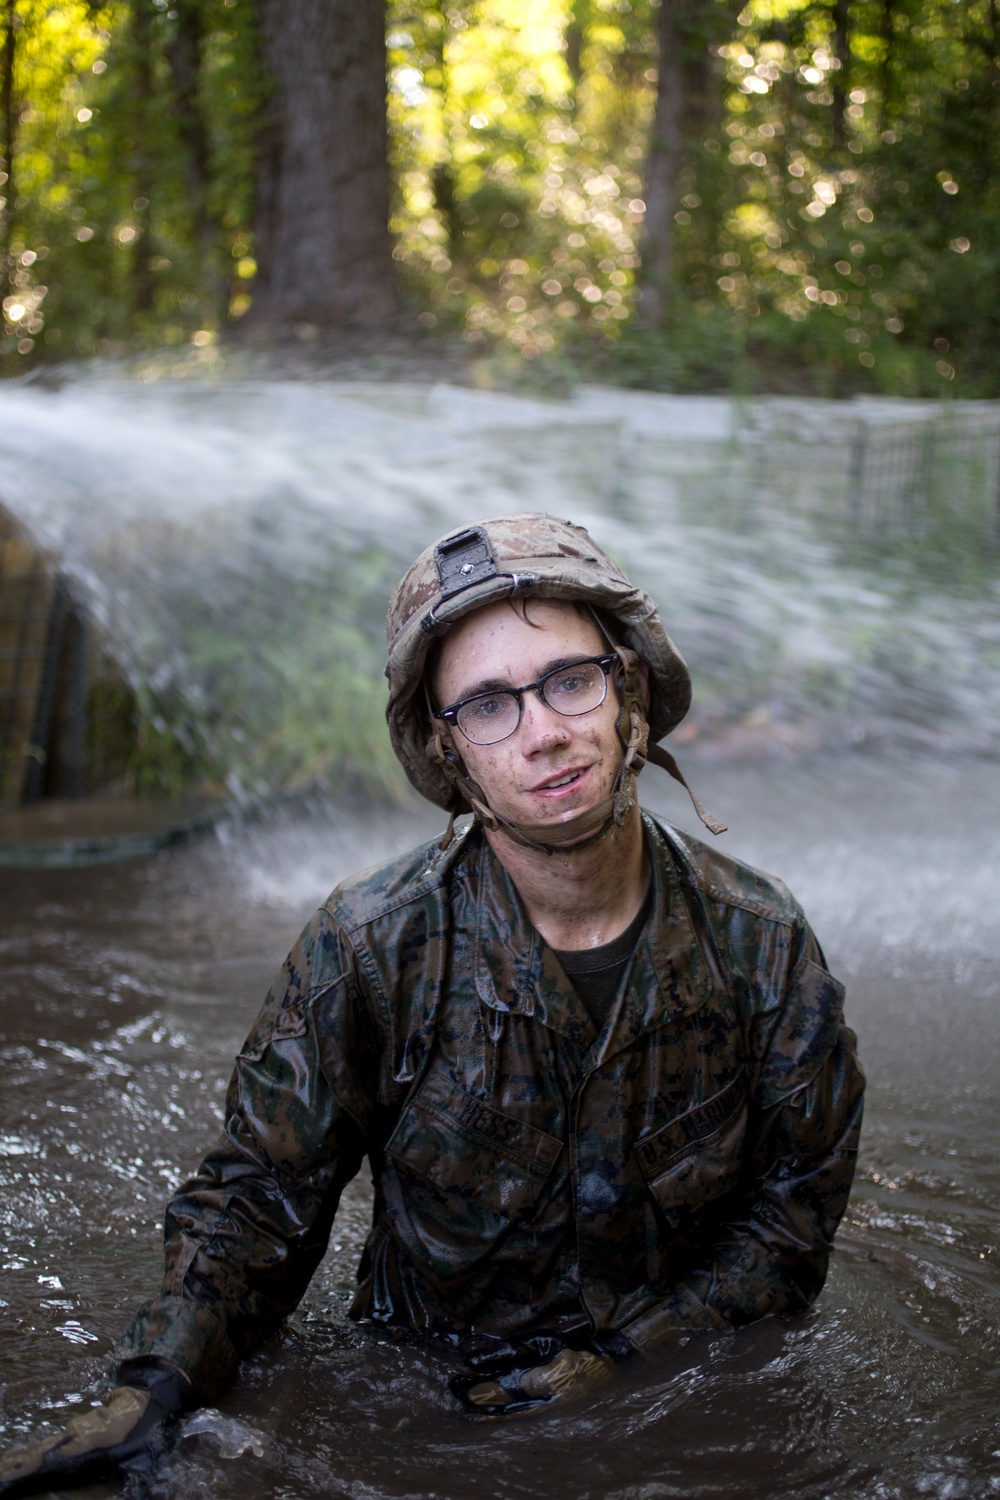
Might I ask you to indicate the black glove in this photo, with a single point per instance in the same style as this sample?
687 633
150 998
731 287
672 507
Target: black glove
131 1431
506 1378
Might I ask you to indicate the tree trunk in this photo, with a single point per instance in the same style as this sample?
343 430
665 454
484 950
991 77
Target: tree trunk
886 32
443 183
7 187
184 54
701 91
663 167
841 74
142 170
323 249
576 27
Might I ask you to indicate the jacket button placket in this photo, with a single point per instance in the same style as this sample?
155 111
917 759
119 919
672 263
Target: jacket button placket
598 1150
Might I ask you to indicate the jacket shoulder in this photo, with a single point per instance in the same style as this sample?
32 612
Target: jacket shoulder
720 878
395 884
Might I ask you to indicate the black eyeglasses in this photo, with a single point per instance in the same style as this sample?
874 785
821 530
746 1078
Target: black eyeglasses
487 718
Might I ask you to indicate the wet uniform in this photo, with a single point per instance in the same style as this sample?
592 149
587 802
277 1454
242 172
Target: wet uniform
684 1168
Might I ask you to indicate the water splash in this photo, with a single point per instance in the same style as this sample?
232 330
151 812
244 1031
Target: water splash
236 545
231 1439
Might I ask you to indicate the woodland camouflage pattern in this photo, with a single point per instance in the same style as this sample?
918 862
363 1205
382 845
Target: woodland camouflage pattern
685 1169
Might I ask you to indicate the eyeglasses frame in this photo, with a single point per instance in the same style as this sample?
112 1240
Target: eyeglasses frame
606 662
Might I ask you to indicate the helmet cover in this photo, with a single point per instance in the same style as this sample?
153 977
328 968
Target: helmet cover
528 555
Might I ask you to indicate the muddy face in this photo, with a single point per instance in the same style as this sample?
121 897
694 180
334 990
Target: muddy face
552 766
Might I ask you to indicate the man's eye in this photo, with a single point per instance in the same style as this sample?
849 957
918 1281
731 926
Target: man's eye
572 682
489 708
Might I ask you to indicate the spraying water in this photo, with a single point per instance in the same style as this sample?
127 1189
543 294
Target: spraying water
236 544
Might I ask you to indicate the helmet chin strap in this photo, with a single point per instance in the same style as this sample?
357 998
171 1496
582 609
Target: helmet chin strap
594 823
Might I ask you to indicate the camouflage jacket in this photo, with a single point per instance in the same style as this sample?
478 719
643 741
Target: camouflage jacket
685 1169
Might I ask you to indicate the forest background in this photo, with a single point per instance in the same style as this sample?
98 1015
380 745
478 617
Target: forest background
698 195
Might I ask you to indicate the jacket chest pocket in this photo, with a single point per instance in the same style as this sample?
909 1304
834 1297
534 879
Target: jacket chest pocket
464 1173
698 1156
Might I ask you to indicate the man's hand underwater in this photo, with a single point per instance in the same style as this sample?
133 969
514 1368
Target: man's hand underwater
130 1431
509 1378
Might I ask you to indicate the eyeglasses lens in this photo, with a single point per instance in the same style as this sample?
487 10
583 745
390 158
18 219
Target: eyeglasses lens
571 690
485 721
575 690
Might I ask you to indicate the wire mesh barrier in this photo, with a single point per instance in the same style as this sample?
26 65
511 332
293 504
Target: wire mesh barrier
909 479
878 482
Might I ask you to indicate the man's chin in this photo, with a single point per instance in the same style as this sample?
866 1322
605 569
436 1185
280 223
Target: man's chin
548 816
537 822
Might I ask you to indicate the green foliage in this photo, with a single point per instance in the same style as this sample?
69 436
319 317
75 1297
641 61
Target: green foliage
837 224
306 707
848 191
518 206
110 242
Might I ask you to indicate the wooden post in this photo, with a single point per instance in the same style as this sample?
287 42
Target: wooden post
25 605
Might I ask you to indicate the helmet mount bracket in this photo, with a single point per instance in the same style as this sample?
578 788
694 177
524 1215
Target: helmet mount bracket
463 560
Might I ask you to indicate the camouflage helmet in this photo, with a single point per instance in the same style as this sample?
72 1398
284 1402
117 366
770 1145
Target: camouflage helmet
529 555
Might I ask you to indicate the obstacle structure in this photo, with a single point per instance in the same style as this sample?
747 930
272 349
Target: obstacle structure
67 720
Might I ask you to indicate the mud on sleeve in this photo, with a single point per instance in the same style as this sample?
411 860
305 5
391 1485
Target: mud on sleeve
245 1234
802 1151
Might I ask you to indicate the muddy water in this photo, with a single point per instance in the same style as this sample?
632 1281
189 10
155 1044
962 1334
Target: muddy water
127 989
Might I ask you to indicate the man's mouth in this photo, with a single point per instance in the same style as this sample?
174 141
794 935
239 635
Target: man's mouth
558 782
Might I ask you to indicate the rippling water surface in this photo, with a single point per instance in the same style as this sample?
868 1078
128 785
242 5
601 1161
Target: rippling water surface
127 989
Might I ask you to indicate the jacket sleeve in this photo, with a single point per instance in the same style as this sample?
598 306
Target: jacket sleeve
771 1254
245 1234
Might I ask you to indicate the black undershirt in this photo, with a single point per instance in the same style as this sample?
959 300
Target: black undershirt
596 973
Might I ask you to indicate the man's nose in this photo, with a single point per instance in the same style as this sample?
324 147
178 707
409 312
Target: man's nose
541 727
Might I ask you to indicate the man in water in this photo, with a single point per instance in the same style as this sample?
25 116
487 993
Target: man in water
600 1071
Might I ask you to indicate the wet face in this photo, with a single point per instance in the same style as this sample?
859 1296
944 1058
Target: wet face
552 766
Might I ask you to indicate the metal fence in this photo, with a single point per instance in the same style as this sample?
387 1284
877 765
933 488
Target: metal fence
910 479
875 481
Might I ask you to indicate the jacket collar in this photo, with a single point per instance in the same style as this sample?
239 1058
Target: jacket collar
516 972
